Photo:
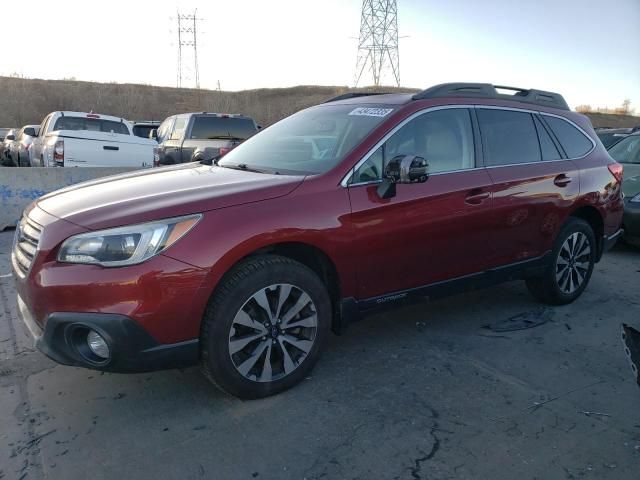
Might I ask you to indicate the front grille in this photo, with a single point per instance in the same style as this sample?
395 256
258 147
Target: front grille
26 244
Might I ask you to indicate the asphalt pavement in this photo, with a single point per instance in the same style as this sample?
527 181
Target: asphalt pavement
453 389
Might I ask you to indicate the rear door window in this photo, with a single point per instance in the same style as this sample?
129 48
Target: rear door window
574 142
222 128
508 137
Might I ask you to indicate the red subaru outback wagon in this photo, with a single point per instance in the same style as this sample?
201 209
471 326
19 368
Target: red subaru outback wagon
247 263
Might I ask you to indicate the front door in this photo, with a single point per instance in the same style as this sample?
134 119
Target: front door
429 231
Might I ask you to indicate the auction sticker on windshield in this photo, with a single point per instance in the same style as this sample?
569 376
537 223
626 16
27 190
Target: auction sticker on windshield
371 112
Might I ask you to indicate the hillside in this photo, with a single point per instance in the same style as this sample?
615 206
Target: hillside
26 101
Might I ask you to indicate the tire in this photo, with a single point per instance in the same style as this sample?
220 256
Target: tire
235 314
569 271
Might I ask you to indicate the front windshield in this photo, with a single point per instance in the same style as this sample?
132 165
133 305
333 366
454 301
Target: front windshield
627 150
309 142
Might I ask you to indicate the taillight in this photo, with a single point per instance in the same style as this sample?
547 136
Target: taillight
224 150
58 152
617 171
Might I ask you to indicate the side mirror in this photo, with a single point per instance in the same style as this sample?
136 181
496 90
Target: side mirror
10 137
30 131
153 134
402 169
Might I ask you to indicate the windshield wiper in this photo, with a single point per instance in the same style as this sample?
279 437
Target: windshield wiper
241 166
225 137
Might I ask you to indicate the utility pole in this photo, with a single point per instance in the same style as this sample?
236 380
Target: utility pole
187 40
378 42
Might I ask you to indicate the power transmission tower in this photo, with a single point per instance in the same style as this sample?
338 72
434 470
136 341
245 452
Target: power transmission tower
188 47
378 43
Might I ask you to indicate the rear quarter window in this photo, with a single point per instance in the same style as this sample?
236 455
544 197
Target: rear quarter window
574 142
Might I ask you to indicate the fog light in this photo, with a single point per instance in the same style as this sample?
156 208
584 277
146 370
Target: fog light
97 344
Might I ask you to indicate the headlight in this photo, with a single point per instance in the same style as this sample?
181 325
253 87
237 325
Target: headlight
122 246
635 199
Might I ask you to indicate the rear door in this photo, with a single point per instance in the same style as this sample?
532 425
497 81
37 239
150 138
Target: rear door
431 231
534 185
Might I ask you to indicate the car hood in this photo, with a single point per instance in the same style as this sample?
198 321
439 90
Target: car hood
162 193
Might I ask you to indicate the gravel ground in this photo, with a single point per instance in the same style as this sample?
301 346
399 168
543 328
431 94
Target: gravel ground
421 392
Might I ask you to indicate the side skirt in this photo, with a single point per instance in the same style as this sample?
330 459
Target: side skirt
353 310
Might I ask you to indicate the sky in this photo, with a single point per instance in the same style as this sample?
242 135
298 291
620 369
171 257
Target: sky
588 50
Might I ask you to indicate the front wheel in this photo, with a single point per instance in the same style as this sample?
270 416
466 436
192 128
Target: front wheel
569 271
265 327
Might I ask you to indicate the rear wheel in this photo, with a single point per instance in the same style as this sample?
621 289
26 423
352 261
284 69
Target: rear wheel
265 327
572 261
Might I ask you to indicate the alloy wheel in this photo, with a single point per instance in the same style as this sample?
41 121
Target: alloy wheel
572 264
273 332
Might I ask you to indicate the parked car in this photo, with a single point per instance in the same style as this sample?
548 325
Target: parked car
3 133
9 138
246 265
77 139
627 152
144 129
19 149
609 137
201 136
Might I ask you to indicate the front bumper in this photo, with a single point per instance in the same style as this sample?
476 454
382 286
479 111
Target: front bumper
132 349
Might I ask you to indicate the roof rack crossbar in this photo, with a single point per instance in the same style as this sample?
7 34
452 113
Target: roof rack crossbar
346 96
486 90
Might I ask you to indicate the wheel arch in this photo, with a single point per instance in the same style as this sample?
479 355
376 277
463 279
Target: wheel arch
593 217
313 257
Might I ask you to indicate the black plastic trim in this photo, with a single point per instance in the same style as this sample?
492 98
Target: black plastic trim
132 348
516 271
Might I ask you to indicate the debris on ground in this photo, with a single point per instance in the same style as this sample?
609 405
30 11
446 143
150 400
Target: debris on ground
597 414
631 344
522 321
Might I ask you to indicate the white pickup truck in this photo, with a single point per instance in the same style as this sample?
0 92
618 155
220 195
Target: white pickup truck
77 139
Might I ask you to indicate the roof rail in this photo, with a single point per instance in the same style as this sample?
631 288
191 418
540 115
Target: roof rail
345 96
486 90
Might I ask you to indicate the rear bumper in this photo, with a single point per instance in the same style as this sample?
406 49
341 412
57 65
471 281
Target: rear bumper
132 349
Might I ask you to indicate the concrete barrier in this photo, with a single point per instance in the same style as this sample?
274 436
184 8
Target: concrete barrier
20 186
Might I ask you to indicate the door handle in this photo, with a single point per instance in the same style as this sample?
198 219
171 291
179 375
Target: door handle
562 180
109 147
476 197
